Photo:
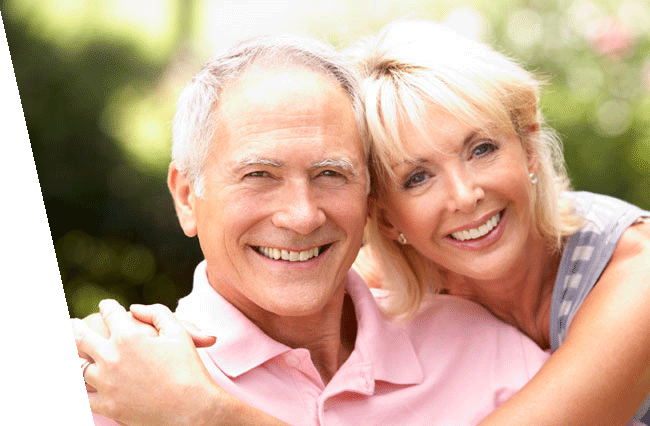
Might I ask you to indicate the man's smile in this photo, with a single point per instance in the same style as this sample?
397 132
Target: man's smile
291 255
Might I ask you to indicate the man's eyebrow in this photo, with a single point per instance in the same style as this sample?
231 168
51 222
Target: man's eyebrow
258 161
339 163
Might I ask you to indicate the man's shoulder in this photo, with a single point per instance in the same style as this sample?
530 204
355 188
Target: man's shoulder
455 313
469 336
459 322
441 311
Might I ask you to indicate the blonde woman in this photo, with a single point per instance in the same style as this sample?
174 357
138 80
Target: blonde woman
471 199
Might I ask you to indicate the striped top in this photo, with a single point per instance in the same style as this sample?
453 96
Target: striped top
586 255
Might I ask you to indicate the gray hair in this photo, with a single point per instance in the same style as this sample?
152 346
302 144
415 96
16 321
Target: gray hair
196 118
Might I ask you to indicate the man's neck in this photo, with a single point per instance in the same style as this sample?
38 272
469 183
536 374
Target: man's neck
329 336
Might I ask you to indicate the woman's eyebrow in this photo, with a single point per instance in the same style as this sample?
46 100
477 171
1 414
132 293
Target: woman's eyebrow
468 139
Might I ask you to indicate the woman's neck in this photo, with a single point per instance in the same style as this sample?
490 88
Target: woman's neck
521 298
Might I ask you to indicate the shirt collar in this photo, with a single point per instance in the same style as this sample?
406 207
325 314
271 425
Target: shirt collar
382 344
383 348
241 345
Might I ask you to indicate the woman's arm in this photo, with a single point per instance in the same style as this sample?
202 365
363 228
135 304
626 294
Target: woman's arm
154 376
600 375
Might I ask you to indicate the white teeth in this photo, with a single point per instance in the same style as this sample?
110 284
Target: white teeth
291 256
472 234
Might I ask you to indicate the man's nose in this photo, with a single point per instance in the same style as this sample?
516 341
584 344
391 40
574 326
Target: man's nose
464 192
298 209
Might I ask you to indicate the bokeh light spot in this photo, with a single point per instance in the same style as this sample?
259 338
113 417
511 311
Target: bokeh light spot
614 117
137 264
524 28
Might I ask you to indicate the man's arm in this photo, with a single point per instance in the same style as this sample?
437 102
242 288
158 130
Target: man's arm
154 375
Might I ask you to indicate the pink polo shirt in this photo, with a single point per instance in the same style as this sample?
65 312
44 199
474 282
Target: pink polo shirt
451 365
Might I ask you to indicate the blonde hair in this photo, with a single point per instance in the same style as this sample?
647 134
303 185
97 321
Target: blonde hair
411 65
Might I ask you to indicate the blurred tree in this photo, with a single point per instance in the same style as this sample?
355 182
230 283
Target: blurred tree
113 225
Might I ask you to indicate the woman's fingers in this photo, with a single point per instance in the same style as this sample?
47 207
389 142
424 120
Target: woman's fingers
90 377
88 342
96 323
166 323
159 316
115 316
90 346
200 338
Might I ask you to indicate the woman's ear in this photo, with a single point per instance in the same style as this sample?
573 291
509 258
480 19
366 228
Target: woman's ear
532 160
531 154
184 197
385 225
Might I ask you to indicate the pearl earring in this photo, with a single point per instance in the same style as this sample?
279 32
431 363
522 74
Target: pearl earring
401 238
533 178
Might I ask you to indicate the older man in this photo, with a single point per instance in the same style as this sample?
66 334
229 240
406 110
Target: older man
269 171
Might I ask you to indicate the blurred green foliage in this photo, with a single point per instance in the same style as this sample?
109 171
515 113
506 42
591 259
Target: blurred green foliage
112 222
98 105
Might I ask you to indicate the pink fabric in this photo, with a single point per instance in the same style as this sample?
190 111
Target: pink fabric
451 365
103 421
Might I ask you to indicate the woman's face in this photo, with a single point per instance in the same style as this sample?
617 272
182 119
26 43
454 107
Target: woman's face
464 203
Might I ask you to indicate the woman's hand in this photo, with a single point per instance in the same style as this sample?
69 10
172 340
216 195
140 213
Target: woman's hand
146 374
200 338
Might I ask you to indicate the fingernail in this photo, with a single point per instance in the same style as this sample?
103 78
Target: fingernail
209 332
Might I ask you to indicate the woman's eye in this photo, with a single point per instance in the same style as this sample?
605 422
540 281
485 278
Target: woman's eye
416 179
484 148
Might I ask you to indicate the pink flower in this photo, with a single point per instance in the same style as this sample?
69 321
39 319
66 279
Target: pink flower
611 39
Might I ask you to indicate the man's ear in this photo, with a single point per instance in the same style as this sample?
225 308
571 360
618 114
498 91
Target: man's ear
184 197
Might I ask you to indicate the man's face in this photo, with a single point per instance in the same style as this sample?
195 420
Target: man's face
282 215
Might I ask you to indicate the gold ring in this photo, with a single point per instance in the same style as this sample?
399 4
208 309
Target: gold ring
84 365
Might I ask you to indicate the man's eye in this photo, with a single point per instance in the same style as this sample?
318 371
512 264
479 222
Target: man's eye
484 148
416 179
330 173
257 174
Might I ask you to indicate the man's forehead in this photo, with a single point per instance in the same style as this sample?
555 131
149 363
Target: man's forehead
283 103
264 85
